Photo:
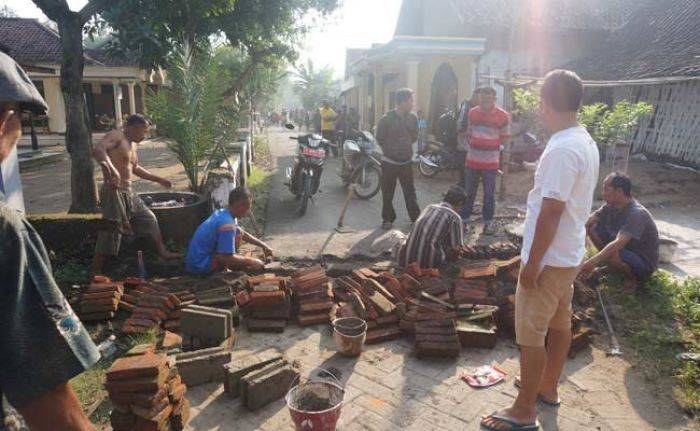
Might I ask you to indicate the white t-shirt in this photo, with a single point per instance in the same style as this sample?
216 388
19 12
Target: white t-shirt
567 172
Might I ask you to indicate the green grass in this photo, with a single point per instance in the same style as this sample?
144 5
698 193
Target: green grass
259 183
657 323
69 272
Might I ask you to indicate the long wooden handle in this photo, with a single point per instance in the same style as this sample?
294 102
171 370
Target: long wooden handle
351 191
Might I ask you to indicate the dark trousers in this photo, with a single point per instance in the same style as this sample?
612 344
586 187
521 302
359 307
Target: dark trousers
330 136
404 174
471 185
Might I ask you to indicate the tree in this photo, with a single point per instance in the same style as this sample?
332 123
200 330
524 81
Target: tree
78 140
313 86
7 12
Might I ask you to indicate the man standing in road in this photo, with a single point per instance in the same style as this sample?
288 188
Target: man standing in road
123 211
327 115
396 132
553 248
43 344
488 127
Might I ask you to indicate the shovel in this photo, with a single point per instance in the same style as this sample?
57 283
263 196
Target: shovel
615 345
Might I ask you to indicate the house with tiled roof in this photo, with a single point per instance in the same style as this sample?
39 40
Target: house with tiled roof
443 49
113 87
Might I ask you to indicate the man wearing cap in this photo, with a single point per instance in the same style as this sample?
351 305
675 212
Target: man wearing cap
42 342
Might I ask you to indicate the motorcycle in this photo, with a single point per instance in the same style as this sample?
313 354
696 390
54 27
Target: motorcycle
304 178
434 157
360 164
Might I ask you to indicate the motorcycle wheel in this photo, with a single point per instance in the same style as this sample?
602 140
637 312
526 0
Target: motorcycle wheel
371 184
426 170
305 194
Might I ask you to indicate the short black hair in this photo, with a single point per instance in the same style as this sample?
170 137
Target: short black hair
238 194
487 90
402 94
621 181
562 90
455 196
136 120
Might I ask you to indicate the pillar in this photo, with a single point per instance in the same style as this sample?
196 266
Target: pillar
378 96
132 97
412 79
117 90
362 99
57 110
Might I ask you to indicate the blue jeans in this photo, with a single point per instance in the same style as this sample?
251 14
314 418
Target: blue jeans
471 185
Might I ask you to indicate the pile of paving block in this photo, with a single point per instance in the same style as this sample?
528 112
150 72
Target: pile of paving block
204 327
147 394
500 250
311 295
436 337
100 300
374 298
265 303
259 378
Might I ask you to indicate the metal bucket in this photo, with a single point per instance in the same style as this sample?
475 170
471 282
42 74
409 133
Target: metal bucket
349 335
316 404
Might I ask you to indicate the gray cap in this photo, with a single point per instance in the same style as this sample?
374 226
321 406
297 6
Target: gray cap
16 87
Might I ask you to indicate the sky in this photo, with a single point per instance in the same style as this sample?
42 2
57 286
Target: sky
357 24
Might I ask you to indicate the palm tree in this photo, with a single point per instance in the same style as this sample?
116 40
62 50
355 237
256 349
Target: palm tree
313 86
189 112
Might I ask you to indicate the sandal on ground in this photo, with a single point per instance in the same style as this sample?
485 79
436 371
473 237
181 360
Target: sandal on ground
510 422
540 398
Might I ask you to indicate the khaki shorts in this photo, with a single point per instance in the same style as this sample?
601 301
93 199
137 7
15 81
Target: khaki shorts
117 204
547 305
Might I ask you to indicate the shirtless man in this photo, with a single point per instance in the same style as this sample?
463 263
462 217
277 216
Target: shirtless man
123 211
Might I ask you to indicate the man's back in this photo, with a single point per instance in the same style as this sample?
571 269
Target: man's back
568 172
216 234
437 230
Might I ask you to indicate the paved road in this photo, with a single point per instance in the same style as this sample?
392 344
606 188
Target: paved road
314 234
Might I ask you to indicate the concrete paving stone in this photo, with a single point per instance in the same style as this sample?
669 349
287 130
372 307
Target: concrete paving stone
435 416
401 415
370 421
375 390
439 402
630 425
597 398
574 414
430 367
349 414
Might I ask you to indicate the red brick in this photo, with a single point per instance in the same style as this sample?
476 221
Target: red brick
242 298
383 334
110 287
180 415
265 325
122 421
146 384
482 271
313 307
267 299
433 338
156 423
437 349
177 392
151 412
313 319
137 367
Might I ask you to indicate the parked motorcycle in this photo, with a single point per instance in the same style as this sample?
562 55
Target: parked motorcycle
304 178
434 157
360 164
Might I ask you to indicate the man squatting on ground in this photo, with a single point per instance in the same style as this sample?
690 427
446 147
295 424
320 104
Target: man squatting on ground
214 244
624 232
43 344
553 248
397 130
123 211
488 127
437 234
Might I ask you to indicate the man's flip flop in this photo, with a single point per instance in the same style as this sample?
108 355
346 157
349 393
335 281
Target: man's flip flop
540 398
513 425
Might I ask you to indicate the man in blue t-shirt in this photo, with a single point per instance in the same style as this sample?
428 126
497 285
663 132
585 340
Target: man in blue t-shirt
215 242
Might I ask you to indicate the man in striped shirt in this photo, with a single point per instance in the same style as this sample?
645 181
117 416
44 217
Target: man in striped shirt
489 128
436 234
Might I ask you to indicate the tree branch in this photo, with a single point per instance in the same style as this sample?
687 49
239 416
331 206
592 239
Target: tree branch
93 7
240 82
53 9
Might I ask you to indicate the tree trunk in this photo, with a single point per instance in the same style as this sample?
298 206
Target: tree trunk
78 139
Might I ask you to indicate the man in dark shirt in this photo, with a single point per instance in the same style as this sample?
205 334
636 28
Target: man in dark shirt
437 234
42 342
624 233
396 132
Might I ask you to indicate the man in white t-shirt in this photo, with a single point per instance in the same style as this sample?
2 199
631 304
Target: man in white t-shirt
553 249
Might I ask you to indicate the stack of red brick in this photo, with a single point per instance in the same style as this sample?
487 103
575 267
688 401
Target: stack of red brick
312 297
265 303
147 394
436 337
153 306
100 300
500 250
374 298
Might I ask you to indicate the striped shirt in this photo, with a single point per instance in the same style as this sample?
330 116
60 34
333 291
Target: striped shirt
436 232
487 131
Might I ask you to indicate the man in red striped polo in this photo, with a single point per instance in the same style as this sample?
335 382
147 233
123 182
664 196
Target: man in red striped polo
489 128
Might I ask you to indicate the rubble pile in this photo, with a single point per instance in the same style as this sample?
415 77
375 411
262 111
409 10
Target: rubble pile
147 394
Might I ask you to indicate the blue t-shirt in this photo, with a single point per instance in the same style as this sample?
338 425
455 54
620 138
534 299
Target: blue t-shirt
217 234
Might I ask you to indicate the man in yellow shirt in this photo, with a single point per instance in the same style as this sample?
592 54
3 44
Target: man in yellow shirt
327 125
